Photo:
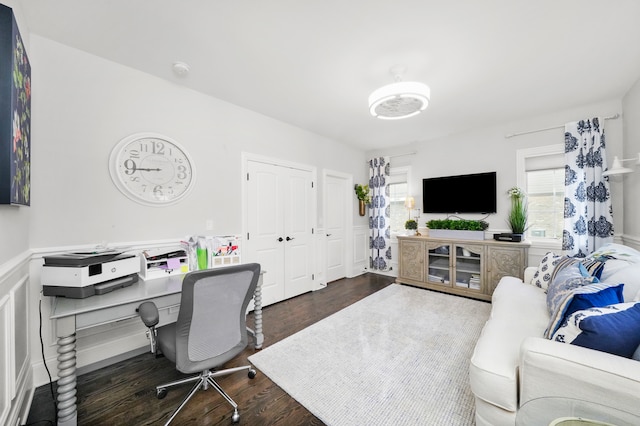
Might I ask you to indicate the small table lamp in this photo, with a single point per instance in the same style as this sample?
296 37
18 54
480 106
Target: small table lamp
409 203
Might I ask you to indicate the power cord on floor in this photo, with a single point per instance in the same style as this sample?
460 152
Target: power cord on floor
44 361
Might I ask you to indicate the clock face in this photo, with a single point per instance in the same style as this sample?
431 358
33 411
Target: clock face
151 169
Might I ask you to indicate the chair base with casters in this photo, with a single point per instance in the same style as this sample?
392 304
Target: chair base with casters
203 381
210 330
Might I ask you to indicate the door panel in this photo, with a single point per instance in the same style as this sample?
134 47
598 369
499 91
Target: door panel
265 227
335 223
298 259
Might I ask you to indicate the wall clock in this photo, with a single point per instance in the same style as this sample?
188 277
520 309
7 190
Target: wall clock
152 169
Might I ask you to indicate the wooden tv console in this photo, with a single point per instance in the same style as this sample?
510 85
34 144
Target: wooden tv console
469 268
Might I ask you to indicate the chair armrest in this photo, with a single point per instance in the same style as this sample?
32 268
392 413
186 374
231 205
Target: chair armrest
549 368
149 315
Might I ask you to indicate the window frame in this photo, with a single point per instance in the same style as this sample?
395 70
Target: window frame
406 171
521 179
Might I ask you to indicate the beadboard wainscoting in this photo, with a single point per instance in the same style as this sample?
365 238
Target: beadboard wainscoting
17 325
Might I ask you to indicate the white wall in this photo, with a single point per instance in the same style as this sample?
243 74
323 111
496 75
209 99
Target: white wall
83 105
631 106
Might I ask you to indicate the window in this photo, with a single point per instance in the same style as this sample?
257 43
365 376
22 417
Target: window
541 176
398 192
545 196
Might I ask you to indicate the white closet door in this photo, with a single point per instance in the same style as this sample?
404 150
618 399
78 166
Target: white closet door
335 225
279 228
298 235
265 212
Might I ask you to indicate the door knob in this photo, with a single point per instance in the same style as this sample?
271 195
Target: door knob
280 239
289 238
328 235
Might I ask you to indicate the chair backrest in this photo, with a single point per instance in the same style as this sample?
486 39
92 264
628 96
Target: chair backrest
211 326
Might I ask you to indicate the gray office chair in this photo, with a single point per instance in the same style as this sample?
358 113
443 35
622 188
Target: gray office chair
211 328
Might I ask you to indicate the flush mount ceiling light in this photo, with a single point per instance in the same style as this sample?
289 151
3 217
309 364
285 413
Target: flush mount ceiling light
402 99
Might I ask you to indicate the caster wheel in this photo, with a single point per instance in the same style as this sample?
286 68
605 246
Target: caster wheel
161 393
235 418
252 373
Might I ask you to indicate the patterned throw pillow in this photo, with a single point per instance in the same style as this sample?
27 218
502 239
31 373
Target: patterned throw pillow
613 329
547 266
594 266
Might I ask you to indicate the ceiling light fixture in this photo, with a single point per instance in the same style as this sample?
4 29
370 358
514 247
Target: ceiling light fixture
402 99
618 169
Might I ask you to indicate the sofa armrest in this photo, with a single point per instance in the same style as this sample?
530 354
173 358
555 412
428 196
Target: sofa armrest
549 368
529 272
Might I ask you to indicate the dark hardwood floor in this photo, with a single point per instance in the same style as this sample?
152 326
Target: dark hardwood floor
124 393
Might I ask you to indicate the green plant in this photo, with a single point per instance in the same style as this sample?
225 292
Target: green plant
411 224
362 192
517 218
458 224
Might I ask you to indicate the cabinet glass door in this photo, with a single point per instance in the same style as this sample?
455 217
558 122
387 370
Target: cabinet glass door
439 264
468 267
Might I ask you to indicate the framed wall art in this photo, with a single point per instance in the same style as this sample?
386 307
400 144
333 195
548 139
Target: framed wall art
15 114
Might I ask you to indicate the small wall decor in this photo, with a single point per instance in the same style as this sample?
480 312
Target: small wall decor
15 114
362 192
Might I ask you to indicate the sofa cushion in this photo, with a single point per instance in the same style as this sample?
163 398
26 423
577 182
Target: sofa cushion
613 329
630 277
616 257
518 311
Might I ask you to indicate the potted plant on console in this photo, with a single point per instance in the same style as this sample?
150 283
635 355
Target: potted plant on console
517 218
461 229
411 226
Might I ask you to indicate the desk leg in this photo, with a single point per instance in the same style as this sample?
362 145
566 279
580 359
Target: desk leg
67 412
257 314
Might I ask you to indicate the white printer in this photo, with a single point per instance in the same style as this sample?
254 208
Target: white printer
80 275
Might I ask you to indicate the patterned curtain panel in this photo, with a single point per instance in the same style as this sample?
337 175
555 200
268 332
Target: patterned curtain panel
379 215
588 216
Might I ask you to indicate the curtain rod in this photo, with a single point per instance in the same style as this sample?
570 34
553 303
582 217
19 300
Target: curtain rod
511 135
397 155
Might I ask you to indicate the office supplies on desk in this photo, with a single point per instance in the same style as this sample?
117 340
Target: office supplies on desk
80 275
157 263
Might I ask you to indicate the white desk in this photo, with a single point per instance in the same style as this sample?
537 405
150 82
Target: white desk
72 315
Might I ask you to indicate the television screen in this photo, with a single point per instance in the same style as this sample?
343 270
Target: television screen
473 193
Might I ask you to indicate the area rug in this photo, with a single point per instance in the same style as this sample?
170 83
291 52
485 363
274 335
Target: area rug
397 357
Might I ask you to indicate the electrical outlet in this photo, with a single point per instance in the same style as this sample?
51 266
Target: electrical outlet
209 224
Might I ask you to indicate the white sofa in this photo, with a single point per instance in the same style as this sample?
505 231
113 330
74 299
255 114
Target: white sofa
513 363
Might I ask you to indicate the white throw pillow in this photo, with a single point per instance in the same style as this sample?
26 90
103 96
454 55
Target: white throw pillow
548 264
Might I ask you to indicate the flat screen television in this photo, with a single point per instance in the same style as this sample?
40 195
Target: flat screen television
473 193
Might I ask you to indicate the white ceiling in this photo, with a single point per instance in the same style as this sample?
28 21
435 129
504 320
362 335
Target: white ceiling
313 63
